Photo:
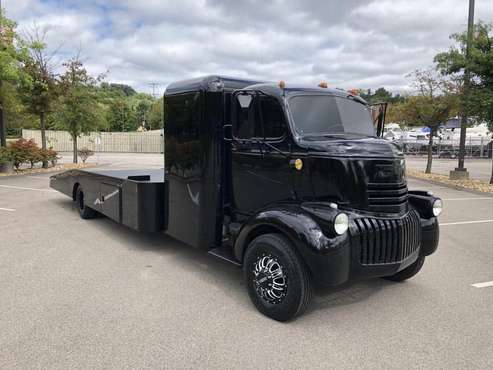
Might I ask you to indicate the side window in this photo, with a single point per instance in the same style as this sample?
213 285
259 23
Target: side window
184 115
247 122
273 117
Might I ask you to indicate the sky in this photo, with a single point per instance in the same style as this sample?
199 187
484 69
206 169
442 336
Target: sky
348 43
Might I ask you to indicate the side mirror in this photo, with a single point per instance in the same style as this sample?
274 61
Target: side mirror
379 111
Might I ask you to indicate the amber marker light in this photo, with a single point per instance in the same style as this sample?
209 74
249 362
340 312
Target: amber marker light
323 85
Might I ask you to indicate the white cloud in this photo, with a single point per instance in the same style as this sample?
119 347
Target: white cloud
351 43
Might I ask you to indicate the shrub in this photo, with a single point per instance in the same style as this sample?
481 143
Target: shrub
24 151
5 155
49 155
84 153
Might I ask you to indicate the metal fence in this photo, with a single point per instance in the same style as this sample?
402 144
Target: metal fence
125 142
475 147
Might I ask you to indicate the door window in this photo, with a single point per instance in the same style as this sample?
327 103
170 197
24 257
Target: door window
273 118
247 121
261 109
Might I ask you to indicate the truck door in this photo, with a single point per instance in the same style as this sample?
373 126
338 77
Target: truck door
260 170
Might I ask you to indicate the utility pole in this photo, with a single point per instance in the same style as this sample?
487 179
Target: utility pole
3 140
154 85
460 172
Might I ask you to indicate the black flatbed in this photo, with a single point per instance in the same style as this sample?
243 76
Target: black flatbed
155 175
134 198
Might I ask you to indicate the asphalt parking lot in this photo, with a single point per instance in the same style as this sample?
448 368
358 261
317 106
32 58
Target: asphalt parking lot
93 294
479 168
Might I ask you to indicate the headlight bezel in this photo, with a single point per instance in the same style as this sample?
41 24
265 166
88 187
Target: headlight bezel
437 207
341 223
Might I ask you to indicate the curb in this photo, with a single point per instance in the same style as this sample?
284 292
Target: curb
45 172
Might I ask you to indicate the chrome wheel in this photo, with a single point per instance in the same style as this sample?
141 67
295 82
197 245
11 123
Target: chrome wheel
269 279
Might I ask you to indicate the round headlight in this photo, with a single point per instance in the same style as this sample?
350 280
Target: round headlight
437 207
341 223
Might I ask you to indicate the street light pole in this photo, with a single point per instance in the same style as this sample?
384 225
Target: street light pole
3 140
460 171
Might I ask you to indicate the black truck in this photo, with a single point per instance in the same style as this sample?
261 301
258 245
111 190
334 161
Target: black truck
293 183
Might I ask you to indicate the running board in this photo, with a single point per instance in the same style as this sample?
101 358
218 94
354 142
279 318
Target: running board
225 253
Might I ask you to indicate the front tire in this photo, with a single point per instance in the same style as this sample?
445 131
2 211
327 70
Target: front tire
277 280
408 272
84 211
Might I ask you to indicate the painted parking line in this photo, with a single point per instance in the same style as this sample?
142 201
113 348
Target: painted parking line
23 188
7 209
483 285
466 222
475 198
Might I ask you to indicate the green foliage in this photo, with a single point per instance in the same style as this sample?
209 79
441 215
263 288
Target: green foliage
479 97
380 95
118 89
5 155
79 110
38 91
12 51
156 115
120 116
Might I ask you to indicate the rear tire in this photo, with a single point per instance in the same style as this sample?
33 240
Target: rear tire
408 272
277 280
84 211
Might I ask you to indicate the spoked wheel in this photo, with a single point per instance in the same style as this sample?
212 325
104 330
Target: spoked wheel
269 279
84 211
277 280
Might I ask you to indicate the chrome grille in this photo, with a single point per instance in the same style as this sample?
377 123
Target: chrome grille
387 240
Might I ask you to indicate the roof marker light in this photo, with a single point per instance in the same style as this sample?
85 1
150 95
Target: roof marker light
323 85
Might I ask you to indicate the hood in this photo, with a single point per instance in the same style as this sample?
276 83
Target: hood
348 146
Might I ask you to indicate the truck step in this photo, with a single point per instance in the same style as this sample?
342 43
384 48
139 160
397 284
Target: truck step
224 252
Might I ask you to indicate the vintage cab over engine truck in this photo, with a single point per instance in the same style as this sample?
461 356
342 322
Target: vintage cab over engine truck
293 183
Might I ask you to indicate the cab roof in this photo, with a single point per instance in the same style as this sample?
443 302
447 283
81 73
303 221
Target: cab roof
208 83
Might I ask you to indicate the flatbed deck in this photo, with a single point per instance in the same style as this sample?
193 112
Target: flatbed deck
135 198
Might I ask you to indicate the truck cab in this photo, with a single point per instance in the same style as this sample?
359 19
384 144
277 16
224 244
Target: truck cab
265 168
293 183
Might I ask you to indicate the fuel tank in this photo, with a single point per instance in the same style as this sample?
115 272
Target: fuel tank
367 174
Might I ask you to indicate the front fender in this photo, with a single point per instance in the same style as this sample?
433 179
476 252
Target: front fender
306 226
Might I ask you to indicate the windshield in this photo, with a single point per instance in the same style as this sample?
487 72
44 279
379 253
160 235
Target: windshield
323 115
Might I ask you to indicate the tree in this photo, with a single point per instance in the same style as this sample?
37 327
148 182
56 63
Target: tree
479 99
120 116
11 55
142 104
80 111
156 115
435 101
39 90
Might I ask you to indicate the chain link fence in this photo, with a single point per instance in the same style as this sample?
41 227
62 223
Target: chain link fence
475 147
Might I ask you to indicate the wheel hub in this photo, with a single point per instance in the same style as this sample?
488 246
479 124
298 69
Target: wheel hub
269 279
